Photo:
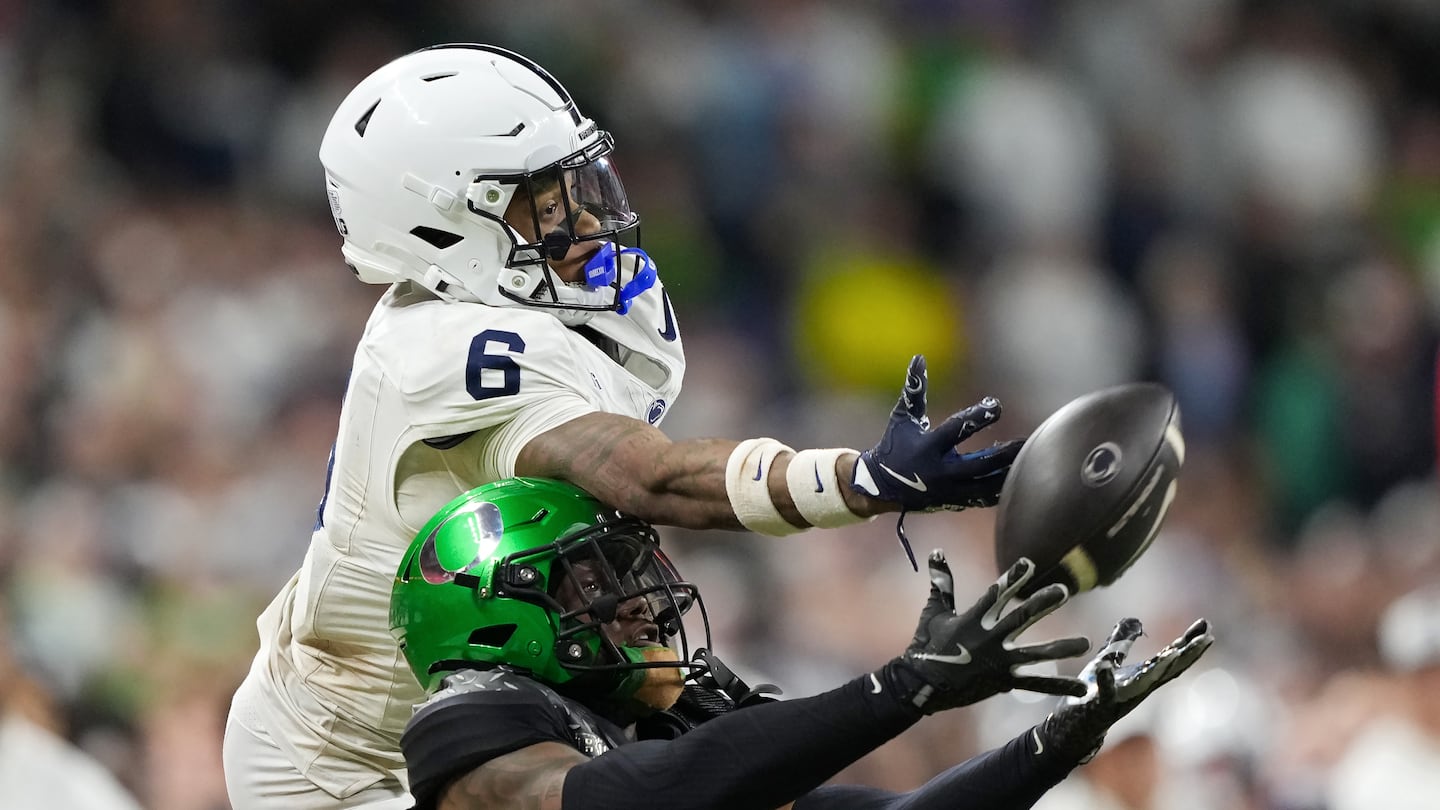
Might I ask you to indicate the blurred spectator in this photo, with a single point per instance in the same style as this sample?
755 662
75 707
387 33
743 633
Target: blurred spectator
1052 327
1199 346
1125 774
1361 372
1393 759
38 767
1024 150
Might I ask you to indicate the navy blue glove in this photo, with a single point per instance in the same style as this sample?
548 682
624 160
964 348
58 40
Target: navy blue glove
921 469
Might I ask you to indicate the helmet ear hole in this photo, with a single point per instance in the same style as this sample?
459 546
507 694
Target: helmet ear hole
496 635
435 237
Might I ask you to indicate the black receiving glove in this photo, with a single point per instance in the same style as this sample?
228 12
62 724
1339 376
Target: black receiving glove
1078 726
921 469
955 660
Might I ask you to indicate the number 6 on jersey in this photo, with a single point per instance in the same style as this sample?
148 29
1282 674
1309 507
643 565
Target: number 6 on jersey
482 359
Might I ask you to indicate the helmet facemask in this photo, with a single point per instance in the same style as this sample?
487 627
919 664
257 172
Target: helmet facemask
572 215
619 606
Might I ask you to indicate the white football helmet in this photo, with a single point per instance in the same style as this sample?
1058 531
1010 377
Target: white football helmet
425 156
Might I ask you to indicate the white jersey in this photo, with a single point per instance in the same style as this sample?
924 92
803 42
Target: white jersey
442 397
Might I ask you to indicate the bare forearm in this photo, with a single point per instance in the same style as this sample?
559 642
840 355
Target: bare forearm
636 468
528 779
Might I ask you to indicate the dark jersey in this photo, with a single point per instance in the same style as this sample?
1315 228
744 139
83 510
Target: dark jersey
479 716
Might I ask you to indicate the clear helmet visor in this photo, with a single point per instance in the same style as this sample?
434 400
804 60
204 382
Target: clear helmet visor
573 235
578 199
595 189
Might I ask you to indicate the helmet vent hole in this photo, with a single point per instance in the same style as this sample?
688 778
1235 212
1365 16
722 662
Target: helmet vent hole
364 122
436 237
437 77
496 635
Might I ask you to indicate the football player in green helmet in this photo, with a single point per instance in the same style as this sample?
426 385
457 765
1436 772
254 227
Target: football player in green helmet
538 577
550 632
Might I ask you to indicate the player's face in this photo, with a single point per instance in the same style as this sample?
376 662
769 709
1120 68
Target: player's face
634 626
544 205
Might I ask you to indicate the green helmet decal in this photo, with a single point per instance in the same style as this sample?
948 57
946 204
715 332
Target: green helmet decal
529 573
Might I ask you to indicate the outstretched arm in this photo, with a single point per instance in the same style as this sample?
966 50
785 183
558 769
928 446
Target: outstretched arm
1013 776
638 469
763 756
532 778
770 488
1017 774
759 757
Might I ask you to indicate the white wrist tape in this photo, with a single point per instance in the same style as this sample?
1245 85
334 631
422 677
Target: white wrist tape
815 488
747 482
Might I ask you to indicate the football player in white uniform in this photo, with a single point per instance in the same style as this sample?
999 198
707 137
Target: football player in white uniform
523 333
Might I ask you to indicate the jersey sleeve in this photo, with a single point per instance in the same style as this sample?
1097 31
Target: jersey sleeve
478 717
508 374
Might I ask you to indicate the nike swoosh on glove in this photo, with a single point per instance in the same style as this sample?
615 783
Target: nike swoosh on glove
922 469
958 659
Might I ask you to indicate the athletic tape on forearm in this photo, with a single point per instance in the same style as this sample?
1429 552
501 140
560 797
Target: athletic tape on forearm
747 482
815 487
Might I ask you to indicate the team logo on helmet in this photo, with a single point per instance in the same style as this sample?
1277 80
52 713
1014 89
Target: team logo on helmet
438 569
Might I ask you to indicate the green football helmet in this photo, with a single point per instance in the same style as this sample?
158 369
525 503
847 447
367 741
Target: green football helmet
525 573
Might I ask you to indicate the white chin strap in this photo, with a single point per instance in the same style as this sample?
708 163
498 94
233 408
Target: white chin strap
522 282
575 294
573 317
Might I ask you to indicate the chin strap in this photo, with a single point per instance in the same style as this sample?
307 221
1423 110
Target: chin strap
444 285
721 678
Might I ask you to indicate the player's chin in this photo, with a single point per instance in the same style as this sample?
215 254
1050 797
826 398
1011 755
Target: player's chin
662 685
654 650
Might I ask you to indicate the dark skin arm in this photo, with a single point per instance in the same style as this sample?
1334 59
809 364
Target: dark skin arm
638 469
532 778
628 463
528 779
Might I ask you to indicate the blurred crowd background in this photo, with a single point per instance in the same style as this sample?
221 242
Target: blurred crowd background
1238 198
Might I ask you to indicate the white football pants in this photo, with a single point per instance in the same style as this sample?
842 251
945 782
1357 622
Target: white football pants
258 775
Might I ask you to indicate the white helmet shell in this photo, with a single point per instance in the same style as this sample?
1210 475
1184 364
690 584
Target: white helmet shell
424 156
